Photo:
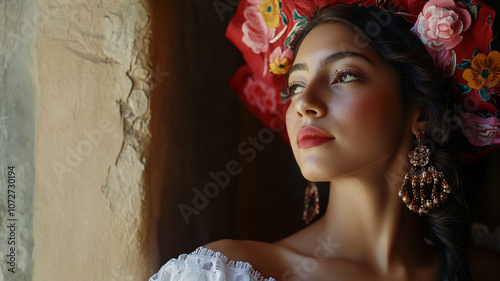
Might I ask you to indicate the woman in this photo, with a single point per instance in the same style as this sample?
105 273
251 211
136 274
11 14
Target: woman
361 89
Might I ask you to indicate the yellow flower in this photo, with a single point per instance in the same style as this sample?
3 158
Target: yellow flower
484 71
280 67
270 10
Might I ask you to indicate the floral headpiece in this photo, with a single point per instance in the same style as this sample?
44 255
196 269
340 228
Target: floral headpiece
457 34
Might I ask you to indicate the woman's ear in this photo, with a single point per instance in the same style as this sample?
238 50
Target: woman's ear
418 122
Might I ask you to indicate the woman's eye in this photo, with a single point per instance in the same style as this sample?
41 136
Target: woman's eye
346 76
296 89
291 90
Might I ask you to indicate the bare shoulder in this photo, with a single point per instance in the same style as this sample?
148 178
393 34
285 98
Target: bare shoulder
236 250
484 263
247 249
306 240
244 250
267 258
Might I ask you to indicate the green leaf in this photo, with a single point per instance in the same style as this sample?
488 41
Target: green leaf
483 93
300 24
296 16
465 65
462 89
475 53
283 18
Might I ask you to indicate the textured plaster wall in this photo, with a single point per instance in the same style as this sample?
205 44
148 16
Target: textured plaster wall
17 134
92 80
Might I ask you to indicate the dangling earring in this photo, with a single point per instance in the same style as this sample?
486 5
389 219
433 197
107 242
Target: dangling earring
311 203
423 190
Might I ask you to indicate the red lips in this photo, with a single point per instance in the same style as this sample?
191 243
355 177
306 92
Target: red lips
311 136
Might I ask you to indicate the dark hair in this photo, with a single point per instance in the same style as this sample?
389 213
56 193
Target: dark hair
422 88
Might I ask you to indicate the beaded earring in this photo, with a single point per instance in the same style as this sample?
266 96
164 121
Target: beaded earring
311 196
423 189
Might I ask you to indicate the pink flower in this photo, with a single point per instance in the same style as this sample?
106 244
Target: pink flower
260 95
480 131
440 24
280 61
256 33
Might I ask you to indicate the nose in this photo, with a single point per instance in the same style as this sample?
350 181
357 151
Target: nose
310 103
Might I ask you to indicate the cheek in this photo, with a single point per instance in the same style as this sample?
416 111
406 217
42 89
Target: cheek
359 114
374 112
290 120
364 111
373 122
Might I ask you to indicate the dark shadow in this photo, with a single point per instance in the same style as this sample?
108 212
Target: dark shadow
197 126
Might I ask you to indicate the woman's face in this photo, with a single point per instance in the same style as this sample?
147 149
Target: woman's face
346 116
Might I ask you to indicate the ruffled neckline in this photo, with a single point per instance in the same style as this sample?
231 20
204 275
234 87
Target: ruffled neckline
236 265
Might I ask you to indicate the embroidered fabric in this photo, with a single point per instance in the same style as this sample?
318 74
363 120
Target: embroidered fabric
206 265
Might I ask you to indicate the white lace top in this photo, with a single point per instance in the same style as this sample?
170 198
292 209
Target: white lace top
207 265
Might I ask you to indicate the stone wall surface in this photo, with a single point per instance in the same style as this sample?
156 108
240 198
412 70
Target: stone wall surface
17 136
93 81
92 137
75 88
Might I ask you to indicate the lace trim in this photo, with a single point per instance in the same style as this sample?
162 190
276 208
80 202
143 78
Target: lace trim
238 265
205 260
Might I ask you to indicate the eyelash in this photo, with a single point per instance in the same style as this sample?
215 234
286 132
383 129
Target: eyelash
288 90
345 72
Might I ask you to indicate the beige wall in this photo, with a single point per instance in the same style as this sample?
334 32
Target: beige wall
82 98
92 81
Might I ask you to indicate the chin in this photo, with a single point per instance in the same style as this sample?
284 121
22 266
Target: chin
325 172
315 174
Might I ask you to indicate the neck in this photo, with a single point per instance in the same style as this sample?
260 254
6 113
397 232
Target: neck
367 217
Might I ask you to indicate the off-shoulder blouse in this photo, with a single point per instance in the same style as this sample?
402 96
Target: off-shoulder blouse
206 265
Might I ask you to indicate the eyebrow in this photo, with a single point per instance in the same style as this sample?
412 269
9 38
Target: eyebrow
328 60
